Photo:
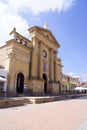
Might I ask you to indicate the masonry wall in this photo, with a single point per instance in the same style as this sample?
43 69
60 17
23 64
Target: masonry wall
19 61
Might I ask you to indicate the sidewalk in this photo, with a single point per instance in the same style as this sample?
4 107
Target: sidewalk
83 126
59 115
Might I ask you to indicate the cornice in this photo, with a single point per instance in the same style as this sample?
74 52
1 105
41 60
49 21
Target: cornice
14 42
20 36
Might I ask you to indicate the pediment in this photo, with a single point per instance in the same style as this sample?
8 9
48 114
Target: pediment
47 34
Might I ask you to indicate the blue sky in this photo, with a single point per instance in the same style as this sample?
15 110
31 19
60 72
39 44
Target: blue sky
67 20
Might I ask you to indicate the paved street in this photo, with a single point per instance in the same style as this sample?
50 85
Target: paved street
60 115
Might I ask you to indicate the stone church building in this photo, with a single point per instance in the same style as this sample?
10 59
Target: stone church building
32 62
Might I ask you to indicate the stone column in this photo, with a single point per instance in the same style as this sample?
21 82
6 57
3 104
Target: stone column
12 74
55 67
51 65
34 60
40 65
10 65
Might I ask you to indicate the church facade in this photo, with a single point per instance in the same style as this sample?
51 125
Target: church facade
32 63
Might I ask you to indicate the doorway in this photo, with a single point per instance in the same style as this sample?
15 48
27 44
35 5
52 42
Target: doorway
45 83
59 87
20 83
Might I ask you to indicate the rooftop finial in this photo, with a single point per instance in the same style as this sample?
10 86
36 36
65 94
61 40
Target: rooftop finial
45 25
14 29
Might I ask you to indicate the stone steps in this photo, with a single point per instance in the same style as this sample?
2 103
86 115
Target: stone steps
21 101
13 102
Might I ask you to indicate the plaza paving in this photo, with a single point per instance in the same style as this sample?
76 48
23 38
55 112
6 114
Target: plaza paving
59 115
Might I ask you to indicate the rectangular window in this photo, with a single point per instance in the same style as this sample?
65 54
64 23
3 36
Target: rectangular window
44 66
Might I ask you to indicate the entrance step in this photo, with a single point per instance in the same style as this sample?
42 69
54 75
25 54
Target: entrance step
13 102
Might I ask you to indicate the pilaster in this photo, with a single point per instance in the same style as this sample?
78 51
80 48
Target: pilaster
10 67
55 67
51 65
40 65
34 60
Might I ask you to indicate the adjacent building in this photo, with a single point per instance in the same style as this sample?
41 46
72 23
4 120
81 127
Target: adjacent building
69 82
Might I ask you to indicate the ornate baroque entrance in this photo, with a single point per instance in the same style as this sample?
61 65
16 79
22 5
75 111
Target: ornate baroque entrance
20 83
45 83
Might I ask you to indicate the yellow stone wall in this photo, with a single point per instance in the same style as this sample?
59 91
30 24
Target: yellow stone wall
19 60
42 40
54 88
22 55
36 86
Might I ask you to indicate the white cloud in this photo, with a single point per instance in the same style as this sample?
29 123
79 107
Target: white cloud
71 73
9 20
10 13
38 6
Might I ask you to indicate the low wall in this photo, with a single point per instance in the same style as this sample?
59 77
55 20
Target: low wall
11 103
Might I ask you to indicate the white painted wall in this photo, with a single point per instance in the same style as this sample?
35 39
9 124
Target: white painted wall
3 72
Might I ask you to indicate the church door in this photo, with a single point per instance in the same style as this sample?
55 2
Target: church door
45 83
20 83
